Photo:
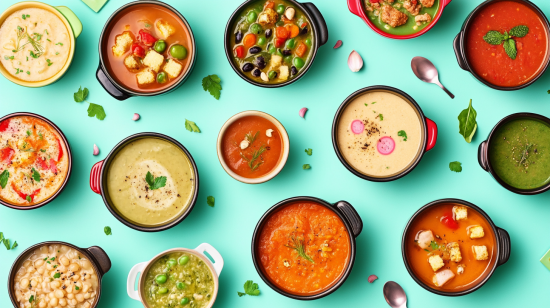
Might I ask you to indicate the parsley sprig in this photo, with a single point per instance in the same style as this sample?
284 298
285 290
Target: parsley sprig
94 110
155 182
250 288
211 83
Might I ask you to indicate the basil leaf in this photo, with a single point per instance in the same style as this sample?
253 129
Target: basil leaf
4 178
467 123
35 175
455 166
210 201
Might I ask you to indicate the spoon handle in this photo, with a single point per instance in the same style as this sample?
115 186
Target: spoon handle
444 89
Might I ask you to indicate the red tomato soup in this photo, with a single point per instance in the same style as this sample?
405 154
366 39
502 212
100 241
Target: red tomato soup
491 62
450 247
304 248
247 148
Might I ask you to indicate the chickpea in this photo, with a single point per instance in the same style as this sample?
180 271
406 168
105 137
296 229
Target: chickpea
76 277
42 304
24 283
31 269
49 267
86 295
74 267
86 305
59 294
33 283
38 263
64 261
55 284
79 298
27 263
62 302
41 270
85 287
72 302
51 295
54 301
70 296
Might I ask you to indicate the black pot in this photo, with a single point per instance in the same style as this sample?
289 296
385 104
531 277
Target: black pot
485 162
319 28
502 239
428 126
98 182
347 214
97 256
460 50
70 159
117 90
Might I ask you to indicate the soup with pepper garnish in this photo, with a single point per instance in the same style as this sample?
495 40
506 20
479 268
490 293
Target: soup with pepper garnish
304 248
272 41
450 247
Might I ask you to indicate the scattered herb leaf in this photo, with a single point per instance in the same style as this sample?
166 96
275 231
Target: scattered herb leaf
81 94
191 126
211 83
31 299
60 44
306 166
455 166
210 201
35 175
56 275
107 230
250 288
467 123
76 288
97 111
14 245
28 198
155 183
403 134
7 243
309 151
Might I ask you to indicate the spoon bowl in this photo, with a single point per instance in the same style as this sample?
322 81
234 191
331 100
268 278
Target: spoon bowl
395 295
426 71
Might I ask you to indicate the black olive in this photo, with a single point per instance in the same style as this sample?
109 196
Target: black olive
256 73
260 62
304 30
294 70
255 49
287 52
238 37
268 33
247 67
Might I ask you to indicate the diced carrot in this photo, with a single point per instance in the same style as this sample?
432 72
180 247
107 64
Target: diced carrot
249 40
279 42
301 49
304 24
294 30
269 4
281 32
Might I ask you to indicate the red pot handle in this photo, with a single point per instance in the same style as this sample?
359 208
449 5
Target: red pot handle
432 134
354 6
446 2
95 176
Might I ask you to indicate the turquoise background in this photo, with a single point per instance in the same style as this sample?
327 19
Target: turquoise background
78 215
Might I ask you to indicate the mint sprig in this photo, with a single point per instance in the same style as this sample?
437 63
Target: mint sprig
494 37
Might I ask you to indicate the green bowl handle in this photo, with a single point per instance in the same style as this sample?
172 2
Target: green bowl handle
73 20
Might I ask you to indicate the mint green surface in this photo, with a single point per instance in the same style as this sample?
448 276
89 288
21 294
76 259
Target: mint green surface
78 215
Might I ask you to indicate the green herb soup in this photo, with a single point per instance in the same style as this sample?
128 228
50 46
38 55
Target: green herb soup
519 155
178 279
272 41
401 17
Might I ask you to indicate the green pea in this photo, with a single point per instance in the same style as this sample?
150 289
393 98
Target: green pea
290 43
180 285
262 41
280 23
272 74
298 62
252 16
172 262
178 51
160 46
183 260
308 42
161 279
256 28
184 301
287 59
162 291
272 49
161 77
280 9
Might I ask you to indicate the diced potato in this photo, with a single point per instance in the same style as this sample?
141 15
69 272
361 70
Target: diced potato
131 62
275 63
122 43
165 28
480 252
460 212
172 68
145 77
454 248
153 60
268 17
476 232
443 277
283 73
436 262
424 239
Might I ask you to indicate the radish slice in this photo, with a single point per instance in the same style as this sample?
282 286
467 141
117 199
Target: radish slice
357 127
385 145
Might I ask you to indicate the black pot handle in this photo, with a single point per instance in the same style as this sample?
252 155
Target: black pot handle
482 156
460 58
109 86
101 258
319 21
351 216
505 246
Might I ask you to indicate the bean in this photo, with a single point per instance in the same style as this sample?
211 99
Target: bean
299 62
160 46
280 9
287 52
238 37
260 62
162 291
304 30
172 262
272 74
252 16
256 28
161 77
256 73
184 301
184 259
308 42
161 279
272 49
180 285
294 70
290 43
287 59
255 49
178 51
268 33
262 41
247 67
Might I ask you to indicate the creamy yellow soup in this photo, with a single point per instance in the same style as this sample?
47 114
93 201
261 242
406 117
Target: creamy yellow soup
384 118
130 192
34 44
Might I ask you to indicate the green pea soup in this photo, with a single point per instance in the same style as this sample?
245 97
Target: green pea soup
410 27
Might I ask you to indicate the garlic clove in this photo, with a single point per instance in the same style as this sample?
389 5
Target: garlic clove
269 132
372 278
136 117
338 44
289 13
244 144
264 77
355 62
302 112
96 150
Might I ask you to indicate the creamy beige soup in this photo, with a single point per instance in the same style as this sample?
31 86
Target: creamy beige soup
132 195
56 276
368 127
34 44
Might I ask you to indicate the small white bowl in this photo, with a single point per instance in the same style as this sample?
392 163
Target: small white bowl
282 161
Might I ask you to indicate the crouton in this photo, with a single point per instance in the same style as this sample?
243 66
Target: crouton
145 77
131 62
424 238
423 18
393 17
414 9
460 212
122 43
268 17
480 252
460 269
454 249
172 68
165 28
442 277
427 3
153 60
436 262
283 73
476 232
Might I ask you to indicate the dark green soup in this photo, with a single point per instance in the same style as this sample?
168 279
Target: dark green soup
400 16
519 153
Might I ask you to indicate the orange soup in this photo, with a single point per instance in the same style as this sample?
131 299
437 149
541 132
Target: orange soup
304 248
148 48
252 146
451 247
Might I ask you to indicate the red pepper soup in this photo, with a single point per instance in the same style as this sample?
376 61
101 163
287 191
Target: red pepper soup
148 48
252 146
491 61
450 247
304 248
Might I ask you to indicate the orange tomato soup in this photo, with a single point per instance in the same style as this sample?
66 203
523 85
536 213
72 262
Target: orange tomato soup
261 153
449 229
304 248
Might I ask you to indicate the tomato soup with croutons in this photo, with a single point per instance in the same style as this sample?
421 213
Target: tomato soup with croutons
252 146
496 60
304 248
450 247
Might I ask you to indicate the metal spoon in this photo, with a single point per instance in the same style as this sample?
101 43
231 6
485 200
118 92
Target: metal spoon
425 70
394 295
